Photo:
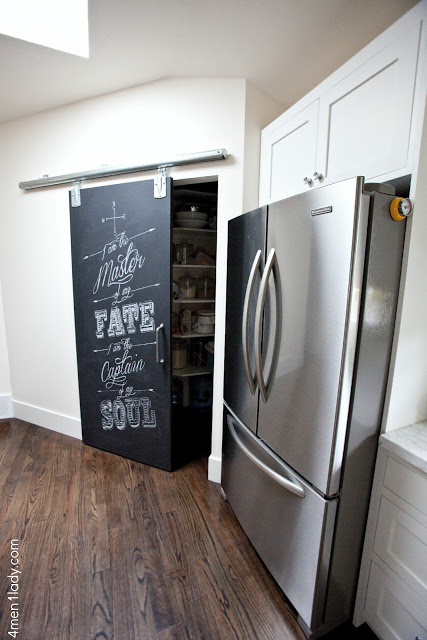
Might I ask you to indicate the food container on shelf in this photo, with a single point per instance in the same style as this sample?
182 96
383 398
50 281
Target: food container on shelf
192 218
183 253
205 322
191 215
205 288
174 322
209 348
201 393
205 329
175 290
187 287
179 354
206 316
184 321
198 355
177 393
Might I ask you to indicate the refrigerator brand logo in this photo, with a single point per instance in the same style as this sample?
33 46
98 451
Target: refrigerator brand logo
318 212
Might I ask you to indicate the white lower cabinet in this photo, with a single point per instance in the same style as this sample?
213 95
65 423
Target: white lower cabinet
392 590
392 610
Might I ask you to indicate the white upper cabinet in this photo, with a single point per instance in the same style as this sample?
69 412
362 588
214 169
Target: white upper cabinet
362 120
365 120
291 154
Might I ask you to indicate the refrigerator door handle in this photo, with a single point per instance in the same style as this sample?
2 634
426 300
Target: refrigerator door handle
271 265
293 487
257 264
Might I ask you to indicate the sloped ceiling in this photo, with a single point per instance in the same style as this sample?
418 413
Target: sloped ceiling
284 47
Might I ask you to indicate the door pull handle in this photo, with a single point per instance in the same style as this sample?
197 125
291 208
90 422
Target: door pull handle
257 264
270 266
159 360
293 487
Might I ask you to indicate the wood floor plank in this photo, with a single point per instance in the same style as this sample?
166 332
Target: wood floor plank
10 442
102 612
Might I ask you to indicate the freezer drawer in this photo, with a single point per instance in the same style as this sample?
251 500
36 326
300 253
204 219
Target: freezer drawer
288 523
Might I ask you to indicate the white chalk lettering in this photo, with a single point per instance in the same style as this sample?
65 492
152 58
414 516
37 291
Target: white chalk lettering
101 317
116 327
147 320
121 414
116 374
120 273
130 314
149 415
106 408
122 320
132 411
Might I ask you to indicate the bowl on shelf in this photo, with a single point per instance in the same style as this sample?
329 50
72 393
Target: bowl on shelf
203 328
206 317
191 215
191 224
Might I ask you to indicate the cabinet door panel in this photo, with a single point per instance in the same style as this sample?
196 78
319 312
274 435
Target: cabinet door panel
365 120
121 246
393 610
401 542
289 155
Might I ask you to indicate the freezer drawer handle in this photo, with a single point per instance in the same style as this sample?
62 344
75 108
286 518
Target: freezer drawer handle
257 264
284 482
271 265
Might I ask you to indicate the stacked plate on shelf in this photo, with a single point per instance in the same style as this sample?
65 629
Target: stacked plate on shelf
191 219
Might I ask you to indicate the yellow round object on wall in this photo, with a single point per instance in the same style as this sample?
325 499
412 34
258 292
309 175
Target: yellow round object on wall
400 208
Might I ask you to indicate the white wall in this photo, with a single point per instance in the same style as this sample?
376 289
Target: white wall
5 389
259 112
408 395
139 125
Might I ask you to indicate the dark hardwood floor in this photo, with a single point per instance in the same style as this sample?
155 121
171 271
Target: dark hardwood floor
112 549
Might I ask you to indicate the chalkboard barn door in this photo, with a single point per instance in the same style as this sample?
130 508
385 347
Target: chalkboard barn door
121 255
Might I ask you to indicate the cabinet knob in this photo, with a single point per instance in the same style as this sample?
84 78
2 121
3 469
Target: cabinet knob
318 176
308 181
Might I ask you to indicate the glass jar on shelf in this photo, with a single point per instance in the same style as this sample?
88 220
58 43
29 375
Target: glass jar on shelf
205 288
183 253
198 354
179 354
187 287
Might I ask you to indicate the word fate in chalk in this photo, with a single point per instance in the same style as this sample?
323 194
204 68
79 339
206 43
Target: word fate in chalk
134 412
125 319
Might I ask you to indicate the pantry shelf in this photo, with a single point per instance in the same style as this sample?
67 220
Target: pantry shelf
194 266
191 301
190 230
192 334
191 371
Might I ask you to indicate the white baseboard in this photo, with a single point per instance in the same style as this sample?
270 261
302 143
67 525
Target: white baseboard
214 468
6 408
48 419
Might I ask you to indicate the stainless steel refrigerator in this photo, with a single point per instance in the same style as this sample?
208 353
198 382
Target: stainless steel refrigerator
312 288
